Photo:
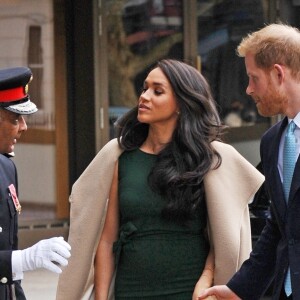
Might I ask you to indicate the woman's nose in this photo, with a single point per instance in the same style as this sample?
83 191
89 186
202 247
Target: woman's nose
146 95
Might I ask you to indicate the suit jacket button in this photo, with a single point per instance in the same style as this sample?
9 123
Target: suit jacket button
3 280
0 229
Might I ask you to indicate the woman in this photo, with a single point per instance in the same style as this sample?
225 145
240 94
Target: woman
168 173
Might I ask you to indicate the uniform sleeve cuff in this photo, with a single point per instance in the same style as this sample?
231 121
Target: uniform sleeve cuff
16 265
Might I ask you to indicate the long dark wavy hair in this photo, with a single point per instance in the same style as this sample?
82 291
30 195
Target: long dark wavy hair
183 163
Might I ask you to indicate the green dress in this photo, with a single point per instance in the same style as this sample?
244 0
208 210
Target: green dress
155 259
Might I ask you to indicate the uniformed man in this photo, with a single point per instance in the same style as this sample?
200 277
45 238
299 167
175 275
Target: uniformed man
50 253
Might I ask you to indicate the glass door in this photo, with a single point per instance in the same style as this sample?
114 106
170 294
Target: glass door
221 26
138 34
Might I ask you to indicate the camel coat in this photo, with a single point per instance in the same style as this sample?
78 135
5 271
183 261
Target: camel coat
228 191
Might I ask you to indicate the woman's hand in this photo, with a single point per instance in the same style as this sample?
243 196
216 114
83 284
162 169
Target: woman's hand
199 289
205 281
220 292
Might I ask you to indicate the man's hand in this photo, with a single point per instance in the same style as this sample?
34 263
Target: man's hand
221 292
46 254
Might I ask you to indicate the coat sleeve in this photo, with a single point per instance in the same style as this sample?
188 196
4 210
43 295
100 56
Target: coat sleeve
5 263
88 206
228 190
257 272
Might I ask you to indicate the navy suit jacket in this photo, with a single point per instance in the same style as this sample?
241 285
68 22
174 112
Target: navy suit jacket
279 244
8 228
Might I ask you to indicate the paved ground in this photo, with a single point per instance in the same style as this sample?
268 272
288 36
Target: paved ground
40 285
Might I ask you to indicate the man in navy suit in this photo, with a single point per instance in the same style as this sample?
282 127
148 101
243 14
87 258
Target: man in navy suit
272 58
50 253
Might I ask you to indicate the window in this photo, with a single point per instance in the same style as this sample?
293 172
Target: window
221 26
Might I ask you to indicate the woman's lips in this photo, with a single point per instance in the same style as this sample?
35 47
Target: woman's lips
143 107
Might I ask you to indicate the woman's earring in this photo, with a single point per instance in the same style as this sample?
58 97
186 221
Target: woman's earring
177 112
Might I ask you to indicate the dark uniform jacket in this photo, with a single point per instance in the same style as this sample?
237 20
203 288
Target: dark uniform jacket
8 231
279 244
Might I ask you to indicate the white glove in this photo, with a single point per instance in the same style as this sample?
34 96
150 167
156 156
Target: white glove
46 254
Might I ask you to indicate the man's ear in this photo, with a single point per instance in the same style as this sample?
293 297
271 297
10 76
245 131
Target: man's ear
279 72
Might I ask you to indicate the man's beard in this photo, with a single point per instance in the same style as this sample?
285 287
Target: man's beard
272 103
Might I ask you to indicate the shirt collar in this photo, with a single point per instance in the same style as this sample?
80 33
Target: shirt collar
296 120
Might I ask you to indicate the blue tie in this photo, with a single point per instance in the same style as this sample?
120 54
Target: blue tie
289 161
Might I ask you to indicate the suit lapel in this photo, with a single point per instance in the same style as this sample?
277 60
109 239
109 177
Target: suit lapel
296 181
274 176
275 180
295 185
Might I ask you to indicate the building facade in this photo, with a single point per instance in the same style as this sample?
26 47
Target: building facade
89 59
